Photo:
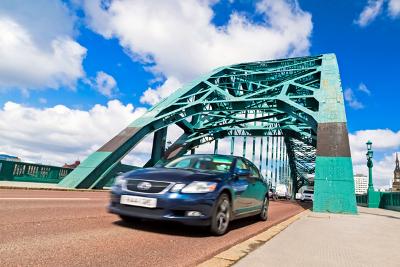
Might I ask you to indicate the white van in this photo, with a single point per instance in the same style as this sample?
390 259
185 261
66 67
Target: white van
307 195
282 191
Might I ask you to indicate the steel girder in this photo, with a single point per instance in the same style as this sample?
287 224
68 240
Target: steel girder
298 98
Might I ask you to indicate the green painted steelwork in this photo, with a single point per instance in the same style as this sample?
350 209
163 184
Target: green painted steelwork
383 200
299 99
328 184
29 172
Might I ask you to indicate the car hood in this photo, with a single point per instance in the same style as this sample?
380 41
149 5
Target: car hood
174 175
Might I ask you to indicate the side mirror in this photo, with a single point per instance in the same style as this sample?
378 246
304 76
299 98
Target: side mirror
242 172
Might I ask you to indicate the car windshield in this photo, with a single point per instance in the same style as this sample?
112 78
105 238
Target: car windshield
216 163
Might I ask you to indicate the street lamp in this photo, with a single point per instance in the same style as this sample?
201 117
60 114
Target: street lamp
370 164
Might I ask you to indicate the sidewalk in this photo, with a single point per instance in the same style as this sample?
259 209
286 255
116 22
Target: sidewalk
43 186
28 185
371 238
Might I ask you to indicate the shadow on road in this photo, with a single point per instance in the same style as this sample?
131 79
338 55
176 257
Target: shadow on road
172 228
177 229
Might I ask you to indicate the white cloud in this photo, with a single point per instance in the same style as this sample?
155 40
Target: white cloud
363 88
374 8
60 134
153 96
105 84
177 39
385 141
370 12
352 100
37 48
394 8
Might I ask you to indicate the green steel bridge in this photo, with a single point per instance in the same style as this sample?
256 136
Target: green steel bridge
294 105
290 110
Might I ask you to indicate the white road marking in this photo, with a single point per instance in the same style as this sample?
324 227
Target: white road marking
42 198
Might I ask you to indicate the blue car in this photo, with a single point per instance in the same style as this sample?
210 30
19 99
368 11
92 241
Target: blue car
201 190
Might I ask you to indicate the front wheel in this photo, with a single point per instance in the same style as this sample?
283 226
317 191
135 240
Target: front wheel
264 209
221 215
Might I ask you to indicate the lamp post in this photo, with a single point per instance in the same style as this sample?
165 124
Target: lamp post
370 164
373 197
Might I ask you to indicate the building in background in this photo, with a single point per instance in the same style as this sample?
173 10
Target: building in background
396 178
361 184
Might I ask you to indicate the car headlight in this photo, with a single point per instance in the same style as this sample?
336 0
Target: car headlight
119 181
199 187
177 188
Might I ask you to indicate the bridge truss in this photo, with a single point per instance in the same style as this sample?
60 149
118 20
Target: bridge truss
295 104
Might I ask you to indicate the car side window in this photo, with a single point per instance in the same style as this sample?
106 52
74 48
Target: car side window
240 164
254 171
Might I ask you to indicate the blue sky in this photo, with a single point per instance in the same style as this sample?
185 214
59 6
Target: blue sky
109 61
367 55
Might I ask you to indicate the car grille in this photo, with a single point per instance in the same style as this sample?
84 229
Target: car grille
156 187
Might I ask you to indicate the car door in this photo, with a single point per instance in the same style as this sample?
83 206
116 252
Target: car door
240 184
257 188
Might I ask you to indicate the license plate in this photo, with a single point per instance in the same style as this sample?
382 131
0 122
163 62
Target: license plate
147 202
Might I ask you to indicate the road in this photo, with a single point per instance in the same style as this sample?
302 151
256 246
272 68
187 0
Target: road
73 228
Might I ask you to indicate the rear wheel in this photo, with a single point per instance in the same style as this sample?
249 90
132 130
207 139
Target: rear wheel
221 215
264 209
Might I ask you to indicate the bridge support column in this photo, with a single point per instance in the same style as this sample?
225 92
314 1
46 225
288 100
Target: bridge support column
334 181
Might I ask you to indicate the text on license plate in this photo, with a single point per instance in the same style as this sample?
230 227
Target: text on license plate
147 202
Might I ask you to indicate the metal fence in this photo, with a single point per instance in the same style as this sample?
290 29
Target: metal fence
387 200
390 201
362 200
29 172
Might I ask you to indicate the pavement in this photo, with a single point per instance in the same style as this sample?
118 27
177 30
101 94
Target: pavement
28 185
370 238
42 186
73 228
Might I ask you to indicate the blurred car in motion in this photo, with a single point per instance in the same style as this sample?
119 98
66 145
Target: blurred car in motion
204 190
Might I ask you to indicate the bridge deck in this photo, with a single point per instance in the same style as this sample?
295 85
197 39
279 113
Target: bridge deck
69 228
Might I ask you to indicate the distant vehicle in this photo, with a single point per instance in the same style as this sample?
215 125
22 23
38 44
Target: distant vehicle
271 193
307 195
282 191
207 190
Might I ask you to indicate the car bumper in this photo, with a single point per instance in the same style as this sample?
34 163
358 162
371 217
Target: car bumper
307 198
170 207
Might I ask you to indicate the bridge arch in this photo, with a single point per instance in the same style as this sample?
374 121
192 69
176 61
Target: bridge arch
298 99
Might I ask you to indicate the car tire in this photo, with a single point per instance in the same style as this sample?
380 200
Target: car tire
264 209
221 215
129 219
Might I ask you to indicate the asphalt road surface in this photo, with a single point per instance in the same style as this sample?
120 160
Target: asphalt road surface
70 228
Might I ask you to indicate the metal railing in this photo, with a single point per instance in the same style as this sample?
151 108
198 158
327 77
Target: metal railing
362 200
387 200
390 200
30 172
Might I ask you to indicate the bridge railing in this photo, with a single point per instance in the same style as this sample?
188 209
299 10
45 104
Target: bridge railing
362 200
30 172
387 200
390 200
